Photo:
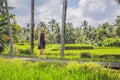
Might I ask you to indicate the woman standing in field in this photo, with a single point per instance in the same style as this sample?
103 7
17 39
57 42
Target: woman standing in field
41 40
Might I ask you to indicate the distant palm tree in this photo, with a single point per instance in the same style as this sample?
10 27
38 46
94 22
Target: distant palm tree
10 28
32 27
63 26
52 25
53 29
84 27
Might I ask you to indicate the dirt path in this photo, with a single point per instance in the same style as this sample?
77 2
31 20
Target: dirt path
114 65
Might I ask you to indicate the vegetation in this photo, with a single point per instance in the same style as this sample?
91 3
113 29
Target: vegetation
4 29
112 42
82 35
103 35
88 43
89 53
22 70
78 47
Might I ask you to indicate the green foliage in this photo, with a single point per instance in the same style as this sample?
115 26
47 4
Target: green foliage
52 31
22 50
1 49
78 47
85 55
53 51
75 47
4 29
84 34
22 70
118 30
112 42
109 56
69 34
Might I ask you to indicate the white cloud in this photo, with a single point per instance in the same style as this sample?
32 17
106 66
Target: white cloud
113 2
87 9
97 6
23 21
52 9
49 11
116 13
13 3
21 11
82 3
17 3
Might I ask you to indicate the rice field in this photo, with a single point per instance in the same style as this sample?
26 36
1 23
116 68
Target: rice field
53 51
25 70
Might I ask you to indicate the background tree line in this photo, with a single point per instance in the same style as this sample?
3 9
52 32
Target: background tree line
84 34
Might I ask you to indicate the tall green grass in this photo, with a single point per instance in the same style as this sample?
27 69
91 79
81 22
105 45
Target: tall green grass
22 70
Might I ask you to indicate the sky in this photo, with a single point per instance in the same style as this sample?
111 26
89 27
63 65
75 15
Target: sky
95 12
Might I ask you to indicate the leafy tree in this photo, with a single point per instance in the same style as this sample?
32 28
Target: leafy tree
4 29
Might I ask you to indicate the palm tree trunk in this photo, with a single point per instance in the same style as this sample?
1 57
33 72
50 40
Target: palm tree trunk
10 28
118 1
32 27
63 27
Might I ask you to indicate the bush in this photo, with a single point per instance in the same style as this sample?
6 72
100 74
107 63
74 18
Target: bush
112 42
78 47
22 50
116 56
1 49
85 55
55 49
22 44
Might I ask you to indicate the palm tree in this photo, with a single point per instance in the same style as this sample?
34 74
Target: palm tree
32 27
10 28
63 26
42 24
84 30
53 27
69 34
52 24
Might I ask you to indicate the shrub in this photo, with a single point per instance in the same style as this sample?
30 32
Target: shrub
78 47
117 56
1 49
22 44
24 51
85 55
55 49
